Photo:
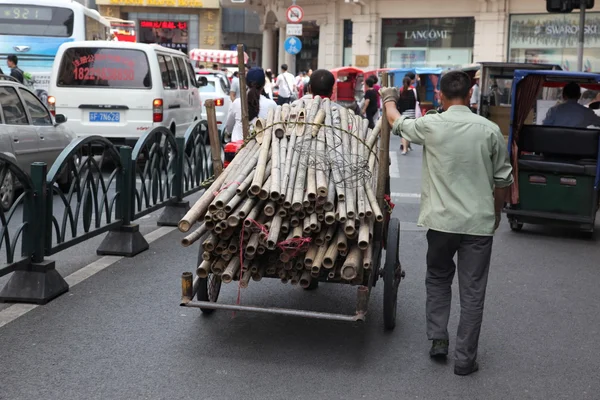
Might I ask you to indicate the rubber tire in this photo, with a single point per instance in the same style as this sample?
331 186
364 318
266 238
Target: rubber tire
11 195
390 286
516 226
202 294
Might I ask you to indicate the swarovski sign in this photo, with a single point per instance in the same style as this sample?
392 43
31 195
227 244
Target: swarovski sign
566 29
431 34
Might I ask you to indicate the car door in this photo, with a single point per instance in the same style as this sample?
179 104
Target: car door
184 95
194 91
187 100
51 139
23 136
172 102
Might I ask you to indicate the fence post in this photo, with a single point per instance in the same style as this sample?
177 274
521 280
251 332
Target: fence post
174 212
35 280
127 240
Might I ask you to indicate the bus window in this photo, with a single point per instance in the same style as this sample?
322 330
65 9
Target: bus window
94 30
25 20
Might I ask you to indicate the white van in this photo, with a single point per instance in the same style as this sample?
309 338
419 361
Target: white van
120 90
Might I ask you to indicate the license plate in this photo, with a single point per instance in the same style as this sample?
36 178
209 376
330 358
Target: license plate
105 117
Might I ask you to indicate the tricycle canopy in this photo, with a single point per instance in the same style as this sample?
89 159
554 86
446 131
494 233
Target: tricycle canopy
537 90
347 83
429 86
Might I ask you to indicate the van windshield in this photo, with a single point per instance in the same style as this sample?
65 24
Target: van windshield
104 67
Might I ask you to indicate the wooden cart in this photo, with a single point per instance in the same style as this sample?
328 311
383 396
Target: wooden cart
386 265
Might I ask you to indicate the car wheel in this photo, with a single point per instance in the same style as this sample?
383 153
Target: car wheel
7 191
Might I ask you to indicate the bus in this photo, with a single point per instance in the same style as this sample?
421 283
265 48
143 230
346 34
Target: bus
34 29
122 30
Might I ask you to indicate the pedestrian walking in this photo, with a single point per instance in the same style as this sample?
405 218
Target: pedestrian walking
406 106
258 105
370 108
15 71
287 86
466 175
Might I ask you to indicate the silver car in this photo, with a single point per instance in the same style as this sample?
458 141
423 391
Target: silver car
28 132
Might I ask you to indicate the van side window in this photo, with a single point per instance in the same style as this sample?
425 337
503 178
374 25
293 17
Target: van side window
192 74
38 113
12 108
171 69
164 72
181 73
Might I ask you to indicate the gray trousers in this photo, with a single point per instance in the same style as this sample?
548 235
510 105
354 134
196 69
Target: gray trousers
474 253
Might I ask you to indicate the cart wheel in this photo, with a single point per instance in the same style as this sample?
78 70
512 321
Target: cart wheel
209 287
516 226
392 274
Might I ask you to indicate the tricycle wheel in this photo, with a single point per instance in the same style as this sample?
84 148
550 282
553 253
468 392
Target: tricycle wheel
209 290
516 226
209 287
392 274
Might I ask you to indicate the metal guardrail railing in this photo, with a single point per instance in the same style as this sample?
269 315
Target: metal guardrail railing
94 187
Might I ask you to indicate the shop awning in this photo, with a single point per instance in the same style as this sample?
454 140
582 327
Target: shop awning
227 57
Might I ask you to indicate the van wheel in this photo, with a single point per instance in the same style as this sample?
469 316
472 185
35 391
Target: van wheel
7 191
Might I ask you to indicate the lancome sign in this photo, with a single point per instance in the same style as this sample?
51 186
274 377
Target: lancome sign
431 34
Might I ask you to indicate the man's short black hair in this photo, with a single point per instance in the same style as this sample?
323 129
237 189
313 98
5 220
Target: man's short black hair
12 58
371 81
284 67
411 75
572 91
455 85
321 83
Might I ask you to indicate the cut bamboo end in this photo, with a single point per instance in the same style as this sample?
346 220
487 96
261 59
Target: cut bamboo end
184 226
203 269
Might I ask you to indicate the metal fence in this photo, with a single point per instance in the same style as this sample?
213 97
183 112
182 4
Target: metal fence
95 187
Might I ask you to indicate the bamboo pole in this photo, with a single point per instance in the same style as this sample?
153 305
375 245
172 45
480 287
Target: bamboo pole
203 269
199 209
243 88
257 183
213 134
194 236
384 167
330 256
349 269
275 190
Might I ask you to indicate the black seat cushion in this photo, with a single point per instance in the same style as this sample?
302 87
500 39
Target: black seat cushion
559 141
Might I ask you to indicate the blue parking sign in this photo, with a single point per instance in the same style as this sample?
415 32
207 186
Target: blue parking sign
293 45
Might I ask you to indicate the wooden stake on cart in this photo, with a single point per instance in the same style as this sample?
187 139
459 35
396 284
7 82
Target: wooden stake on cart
243 94
213 134
384 163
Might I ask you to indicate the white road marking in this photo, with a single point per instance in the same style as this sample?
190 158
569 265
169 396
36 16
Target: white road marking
394 169
18 310
406 195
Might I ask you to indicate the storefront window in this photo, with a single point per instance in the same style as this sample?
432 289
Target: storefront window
552 39
171 34
427 42
176 31
347 42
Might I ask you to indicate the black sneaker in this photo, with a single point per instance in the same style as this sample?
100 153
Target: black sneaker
439 348
462 371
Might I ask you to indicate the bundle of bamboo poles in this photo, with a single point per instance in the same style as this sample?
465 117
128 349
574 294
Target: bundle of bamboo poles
296 203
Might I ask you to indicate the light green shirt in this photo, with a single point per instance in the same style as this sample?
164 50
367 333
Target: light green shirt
464 158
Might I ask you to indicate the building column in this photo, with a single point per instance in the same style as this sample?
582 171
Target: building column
366 40
267 47
281 59
491 34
